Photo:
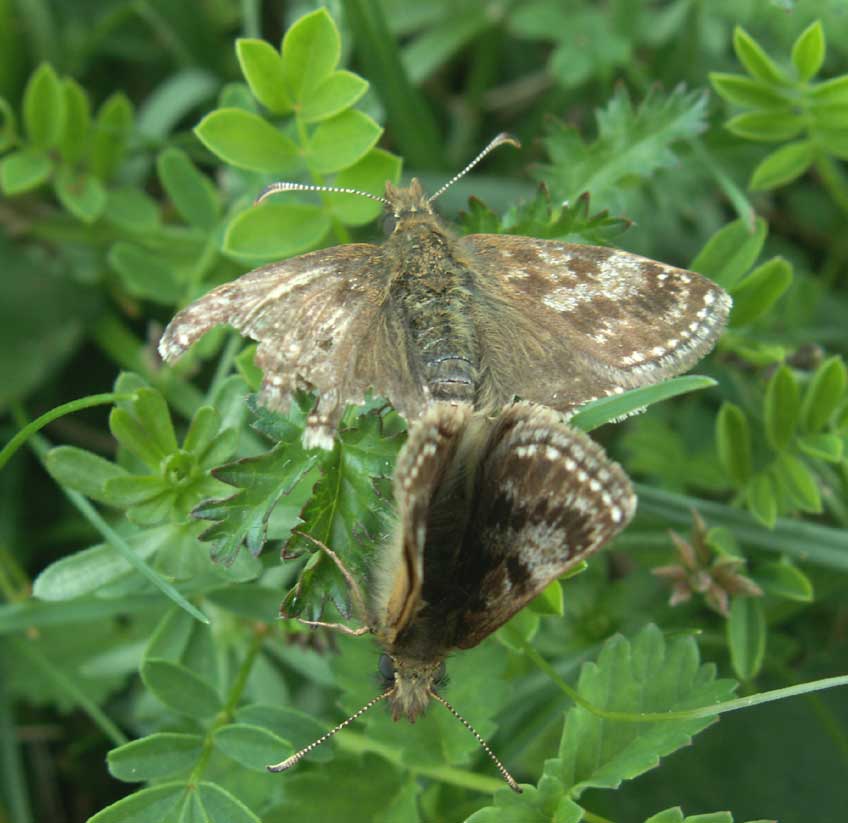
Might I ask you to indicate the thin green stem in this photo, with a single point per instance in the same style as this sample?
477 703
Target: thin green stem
60 411
225 363
12 779
833 180
30 650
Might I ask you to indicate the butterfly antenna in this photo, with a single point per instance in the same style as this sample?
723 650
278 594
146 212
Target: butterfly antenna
501 768
502 138
297 756
273 188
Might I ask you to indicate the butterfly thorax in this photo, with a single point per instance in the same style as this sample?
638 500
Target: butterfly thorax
431 288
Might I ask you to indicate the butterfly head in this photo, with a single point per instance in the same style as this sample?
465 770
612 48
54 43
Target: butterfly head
410 684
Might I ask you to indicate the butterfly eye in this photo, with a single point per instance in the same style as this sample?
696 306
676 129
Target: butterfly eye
389 224
386 670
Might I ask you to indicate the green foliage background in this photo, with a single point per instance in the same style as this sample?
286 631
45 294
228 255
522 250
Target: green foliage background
141 680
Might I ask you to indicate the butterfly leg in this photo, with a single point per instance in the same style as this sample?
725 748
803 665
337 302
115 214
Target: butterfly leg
353 585
338 627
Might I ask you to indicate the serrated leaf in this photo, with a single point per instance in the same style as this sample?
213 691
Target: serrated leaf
24 170
111 134
245 140
276 230
771 126
368 174
261 482
781 408
262 67
607 409
825 393
746 91
82 471
754 58
341 141
333 95
759 291
311 50
252 746
808 51
783 166
762 502
81 193
548 802
44 108
159 755
179 688
648 674
746 636
784 579
151 805
733 441
191 192
731 251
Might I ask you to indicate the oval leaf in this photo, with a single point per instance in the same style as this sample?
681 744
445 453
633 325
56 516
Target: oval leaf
335 94
798 482
110 136
783 166
761 499
733 441
342 140
781 408
746 91
276 230
217 804
758 292
746 636
369 174
808 51
81 470
44 107
262 67
824 394
191 192
159 755
24 170
82 194
772 126
152 805
311 50
755 60
252 746
731 251
784 579
180 689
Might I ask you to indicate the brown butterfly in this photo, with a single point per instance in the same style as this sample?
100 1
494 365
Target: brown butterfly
429 315
489 513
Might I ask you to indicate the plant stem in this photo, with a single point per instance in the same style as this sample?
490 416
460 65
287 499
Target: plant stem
833 180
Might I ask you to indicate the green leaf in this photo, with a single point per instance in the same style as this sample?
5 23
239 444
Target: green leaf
731 251
781 408
201 433
832 141
746 91
24 170
832 92
808 51
746 636
145 274
783 166
81 470
796 479
144 427
245 140
80 193
824 395
276 230
607 409
132 210
311 50
341 141
759 291
8 126
262 67
44 108
180 689
156 756
549 601
784 579
151 805
191 192
773 126
828 447
287 724
548 802
113 126
648 674
75 134
761 499
755 60
335 94
247 368
733 441
252 746
368 174
214 803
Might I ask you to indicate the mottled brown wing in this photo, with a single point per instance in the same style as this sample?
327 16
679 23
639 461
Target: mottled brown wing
319 324
420 475
586 321
547 496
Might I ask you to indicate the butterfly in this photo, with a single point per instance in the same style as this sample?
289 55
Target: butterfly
431 316
489 512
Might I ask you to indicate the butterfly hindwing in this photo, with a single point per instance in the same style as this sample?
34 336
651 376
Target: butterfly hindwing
546 497
588 321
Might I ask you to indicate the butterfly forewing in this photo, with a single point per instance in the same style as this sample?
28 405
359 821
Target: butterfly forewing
587 321
545 498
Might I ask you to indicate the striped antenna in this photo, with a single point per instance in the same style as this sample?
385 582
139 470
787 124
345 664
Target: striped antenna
273 188
502 138
297 756
501 768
